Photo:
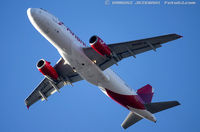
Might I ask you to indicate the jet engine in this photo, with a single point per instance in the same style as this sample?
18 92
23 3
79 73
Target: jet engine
99 46
47 70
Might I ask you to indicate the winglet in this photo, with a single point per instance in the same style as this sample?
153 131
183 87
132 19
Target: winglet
26 103
27 107
179 36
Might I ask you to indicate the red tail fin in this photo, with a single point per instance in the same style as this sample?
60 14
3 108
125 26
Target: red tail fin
146 93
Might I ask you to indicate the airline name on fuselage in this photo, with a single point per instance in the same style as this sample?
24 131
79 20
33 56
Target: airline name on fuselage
76 37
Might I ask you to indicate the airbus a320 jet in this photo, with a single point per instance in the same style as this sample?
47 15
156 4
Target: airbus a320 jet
79 62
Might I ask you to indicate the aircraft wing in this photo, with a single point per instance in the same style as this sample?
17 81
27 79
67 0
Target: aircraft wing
126 49
47 88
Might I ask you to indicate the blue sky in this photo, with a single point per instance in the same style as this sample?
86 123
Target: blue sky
173 70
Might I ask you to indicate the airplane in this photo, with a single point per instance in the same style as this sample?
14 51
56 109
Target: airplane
80 62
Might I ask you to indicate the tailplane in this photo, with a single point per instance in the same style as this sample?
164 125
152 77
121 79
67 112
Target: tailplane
151 107
130 120
160 106
146 93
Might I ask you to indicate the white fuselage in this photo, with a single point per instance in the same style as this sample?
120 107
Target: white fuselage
70 48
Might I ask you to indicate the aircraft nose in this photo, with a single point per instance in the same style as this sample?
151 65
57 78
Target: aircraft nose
35 16
31 12
39 18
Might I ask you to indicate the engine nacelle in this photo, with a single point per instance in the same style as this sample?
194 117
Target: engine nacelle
99 46
47 70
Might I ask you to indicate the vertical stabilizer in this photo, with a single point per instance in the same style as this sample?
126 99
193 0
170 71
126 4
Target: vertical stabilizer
146 93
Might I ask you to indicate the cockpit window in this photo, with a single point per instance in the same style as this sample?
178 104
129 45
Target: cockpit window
43 9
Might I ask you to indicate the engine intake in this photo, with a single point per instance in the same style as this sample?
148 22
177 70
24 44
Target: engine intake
99 46
47 70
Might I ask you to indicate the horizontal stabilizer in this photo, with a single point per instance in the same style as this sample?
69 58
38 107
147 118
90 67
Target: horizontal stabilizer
130 120
151 107
160 106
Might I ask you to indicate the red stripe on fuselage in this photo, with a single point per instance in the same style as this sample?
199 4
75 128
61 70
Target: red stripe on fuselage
126 100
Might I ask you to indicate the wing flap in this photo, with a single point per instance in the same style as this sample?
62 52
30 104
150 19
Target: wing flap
134 51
